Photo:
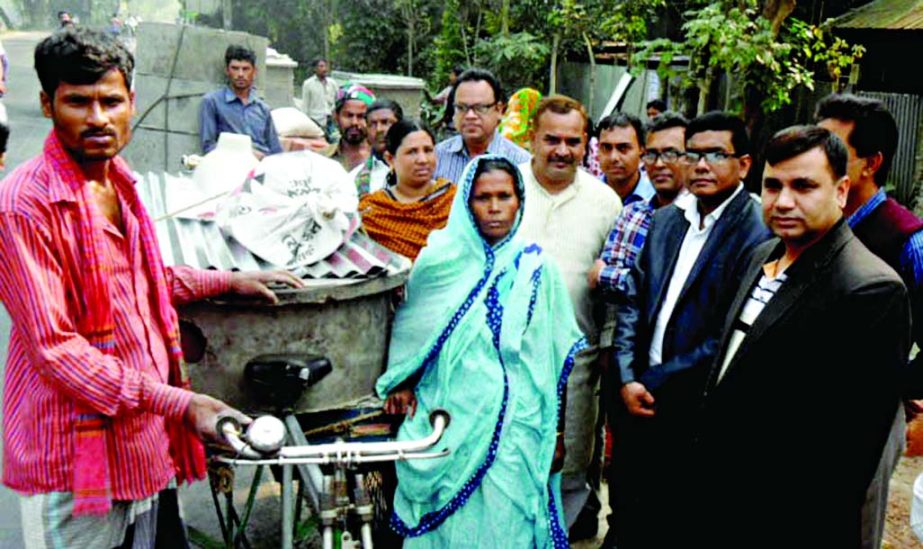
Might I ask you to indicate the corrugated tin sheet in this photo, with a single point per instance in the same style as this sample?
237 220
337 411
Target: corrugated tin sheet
884 14
201 244
908 112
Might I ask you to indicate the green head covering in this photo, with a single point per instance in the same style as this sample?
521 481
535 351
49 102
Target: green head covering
350 91
491 332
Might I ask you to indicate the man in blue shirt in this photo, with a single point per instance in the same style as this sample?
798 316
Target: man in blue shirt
621 144
478 110
236 108
891 232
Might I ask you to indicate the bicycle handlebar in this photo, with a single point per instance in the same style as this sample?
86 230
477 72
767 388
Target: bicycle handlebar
262 443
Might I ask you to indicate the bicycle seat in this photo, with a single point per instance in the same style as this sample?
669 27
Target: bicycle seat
279 380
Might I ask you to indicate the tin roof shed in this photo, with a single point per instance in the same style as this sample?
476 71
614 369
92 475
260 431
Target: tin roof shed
884 15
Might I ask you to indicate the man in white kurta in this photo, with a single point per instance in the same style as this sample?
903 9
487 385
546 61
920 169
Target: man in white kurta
569 213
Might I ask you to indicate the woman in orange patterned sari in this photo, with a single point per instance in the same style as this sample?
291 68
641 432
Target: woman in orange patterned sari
412 204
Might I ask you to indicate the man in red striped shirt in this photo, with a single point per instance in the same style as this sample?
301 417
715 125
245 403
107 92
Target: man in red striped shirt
98 422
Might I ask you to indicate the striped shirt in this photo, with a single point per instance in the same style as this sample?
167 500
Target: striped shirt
452 155
763 291
50 366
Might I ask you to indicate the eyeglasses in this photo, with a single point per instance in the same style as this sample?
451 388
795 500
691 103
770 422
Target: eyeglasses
668 155
711 157
479 109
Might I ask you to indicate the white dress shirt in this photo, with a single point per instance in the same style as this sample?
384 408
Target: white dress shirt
694 241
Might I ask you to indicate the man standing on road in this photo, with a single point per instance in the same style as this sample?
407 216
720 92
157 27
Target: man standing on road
807 381
569 213
669 323
236 108
318 97
372 174
893 233
621 143
99 424
478 110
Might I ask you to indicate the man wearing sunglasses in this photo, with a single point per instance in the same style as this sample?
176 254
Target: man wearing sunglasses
668 325
478 110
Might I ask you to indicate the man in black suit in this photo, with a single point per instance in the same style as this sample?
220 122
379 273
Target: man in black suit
668 327
807 382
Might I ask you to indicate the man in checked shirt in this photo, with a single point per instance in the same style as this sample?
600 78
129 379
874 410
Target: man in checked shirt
664 145
99 425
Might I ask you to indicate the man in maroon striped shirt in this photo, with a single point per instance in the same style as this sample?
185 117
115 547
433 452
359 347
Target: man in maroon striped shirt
71 226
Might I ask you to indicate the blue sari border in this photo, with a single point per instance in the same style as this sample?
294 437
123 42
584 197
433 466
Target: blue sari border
434 519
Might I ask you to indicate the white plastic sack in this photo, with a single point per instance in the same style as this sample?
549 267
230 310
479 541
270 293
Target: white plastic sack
291 122
916 508
221 171
294 211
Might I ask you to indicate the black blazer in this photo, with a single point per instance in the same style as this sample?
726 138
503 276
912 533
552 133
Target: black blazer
792 433
692 335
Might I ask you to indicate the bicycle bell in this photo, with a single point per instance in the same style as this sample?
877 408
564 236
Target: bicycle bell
266 434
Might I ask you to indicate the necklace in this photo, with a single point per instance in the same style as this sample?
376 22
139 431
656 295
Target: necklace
401 197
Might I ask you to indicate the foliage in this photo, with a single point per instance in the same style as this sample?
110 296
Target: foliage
293 27
417 23
35 13
368 43
514 58
355 35
519 39
450 47
765 67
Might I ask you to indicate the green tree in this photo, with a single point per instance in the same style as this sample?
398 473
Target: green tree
416 21
574 24
451 47
517 59
765 53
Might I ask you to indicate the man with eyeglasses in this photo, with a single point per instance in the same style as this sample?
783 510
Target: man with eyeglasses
668 322
665 144
478 110
621 142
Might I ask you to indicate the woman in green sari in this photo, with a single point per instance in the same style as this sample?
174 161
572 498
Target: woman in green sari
488 334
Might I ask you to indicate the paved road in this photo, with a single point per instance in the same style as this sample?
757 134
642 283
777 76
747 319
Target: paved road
28 129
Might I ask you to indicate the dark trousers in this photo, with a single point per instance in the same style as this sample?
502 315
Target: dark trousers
652 478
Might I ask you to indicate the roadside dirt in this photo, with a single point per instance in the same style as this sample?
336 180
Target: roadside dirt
898 534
